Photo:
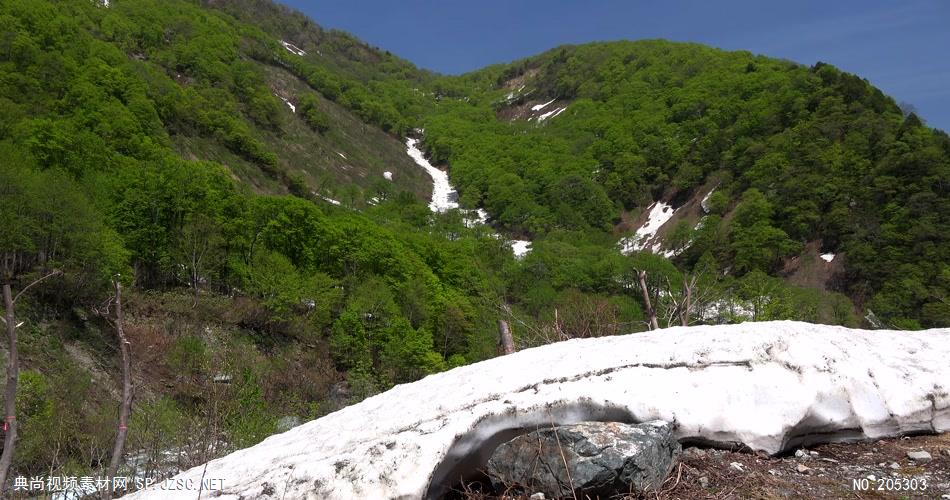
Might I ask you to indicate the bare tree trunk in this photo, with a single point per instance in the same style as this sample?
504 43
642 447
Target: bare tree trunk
125 408
13 369
506 343
688 301
651 313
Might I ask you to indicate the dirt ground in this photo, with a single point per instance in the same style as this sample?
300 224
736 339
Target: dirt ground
823 471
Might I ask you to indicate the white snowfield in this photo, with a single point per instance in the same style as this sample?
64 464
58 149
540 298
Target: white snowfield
772 386
442 191
660 214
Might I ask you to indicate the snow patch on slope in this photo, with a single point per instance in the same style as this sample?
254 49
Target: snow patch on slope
704 203
293 109
520 247
660 213
443 194
771 386
539 107
550 114
827 257
326 198
293 49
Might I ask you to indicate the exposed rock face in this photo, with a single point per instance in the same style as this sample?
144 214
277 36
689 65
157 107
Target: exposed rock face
602 459
772 386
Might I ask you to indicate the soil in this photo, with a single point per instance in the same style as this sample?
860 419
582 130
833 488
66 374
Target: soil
832 470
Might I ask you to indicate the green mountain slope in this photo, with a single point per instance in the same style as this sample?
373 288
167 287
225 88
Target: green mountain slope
144 142
797 155
189 149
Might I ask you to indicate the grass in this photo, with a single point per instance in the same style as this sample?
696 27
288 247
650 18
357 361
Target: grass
345 163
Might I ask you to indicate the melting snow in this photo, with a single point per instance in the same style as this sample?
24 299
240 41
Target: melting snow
293 109
520 247
388 175
444 195
550 114
660 213
325 198
442 192
480 218
293 49
705 201
827 257
770 386
539 107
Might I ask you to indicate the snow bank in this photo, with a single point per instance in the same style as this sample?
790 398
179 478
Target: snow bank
771 386
660 213
293 49
520 247
539 107
443 195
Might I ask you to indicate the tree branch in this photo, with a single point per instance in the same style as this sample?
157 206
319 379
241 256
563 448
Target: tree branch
50 275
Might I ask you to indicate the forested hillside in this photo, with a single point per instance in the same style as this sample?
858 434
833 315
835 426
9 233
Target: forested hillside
227 162
795 155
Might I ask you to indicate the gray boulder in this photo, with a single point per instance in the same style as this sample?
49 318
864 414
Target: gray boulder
602 458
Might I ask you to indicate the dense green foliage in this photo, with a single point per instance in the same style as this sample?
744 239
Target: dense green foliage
151 140
92 185
801 154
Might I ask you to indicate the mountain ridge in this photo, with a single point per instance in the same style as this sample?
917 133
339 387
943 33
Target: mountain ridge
234 178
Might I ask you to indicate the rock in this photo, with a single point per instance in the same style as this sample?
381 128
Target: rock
603 458
895 465
537 496
287 423
919 456
704 482
813 453
803 469
801 454
737 466
946 451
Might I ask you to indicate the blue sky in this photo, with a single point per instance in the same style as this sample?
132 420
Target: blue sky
902 47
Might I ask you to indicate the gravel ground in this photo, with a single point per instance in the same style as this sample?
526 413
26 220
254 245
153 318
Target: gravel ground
824 471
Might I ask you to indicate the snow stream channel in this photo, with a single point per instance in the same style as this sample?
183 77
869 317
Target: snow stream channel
445 197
